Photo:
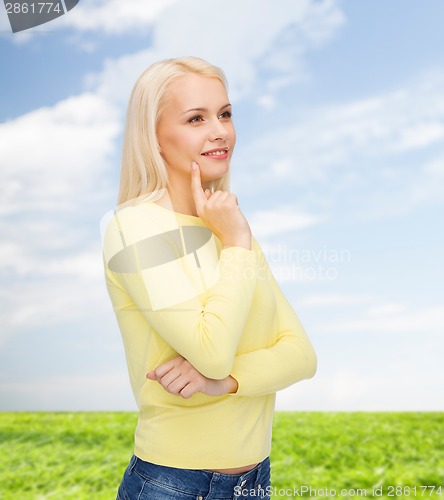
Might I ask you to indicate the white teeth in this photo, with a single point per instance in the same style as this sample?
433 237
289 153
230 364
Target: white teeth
216 153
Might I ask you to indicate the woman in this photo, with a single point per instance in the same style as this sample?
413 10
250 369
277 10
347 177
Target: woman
208 335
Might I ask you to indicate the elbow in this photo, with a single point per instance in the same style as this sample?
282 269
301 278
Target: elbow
304 363
312 363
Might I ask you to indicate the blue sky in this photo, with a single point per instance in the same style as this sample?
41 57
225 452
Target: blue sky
339 109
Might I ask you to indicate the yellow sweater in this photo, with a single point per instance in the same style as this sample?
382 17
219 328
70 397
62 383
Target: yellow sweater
176 290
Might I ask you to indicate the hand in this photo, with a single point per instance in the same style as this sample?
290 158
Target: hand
220 213
178 376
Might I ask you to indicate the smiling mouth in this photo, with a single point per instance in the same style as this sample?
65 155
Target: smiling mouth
216 152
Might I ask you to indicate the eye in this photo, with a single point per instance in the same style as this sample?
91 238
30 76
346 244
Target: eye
195 119
226 115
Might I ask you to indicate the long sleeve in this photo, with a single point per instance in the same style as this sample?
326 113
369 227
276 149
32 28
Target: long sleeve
291 359
206 325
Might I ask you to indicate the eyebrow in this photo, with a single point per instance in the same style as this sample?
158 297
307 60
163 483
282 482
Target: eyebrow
203 109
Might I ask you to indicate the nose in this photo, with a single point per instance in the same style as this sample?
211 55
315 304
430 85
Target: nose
219 132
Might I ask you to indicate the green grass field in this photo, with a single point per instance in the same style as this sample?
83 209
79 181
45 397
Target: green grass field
83 455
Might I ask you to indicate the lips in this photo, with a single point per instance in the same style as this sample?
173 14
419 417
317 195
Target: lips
217 153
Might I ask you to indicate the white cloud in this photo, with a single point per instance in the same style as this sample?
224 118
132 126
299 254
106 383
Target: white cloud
224 37
403 387
267 102
92 392
52 290
419 136
380 373
391 320
286 32
265 223
282 34
192 21
350 149
388 309
388 357
52 180
50 156
114 16
429 182
323 300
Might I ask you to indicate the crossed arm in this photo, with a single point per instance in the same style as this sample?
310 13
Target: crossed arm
263 371
178 376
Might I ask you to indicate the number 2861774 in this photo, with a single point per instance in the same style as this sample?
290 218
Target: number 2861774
33 8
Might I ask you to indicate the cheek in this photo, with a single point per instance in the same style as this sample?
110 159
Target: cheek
184 142
179 149
172 145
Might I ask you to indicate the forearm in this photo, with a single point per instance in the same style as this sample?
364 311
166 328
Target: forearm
179 377
269 370
256 373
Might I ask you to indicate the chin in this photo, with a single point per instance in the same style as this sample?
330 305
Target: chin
213 174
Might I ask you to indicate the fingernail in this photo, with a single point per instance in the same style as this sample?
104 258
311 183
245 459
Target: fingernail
193 165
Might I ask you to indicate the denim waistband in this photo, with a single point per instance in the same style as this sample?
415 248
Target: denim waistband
202 482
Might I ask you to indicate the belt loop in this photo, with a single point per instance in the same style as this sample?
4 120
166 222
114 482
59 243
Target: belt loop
259 467
132 464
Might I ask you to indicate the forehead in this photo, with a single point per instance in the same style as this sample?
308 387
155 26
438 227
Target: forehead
196 91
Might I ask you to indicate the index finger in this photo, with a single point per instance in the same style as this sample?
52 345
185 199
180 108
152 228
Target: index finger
196 186
163 369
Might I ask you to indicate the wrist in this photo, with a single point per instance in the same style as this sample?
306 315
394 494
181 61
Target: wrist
243 241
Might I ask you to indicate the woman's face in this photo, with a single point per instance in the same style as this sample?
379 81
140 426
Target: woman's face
196 125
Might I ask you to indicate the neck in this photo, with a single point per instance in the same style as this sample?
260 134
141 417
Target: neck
181 197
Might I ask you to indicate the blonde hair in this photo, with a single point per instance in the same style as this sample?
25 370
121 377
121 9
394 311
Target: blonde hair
143 171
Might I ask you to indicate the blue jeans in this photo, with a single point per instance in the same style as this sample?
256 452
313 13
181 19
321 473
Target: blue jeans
147 481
